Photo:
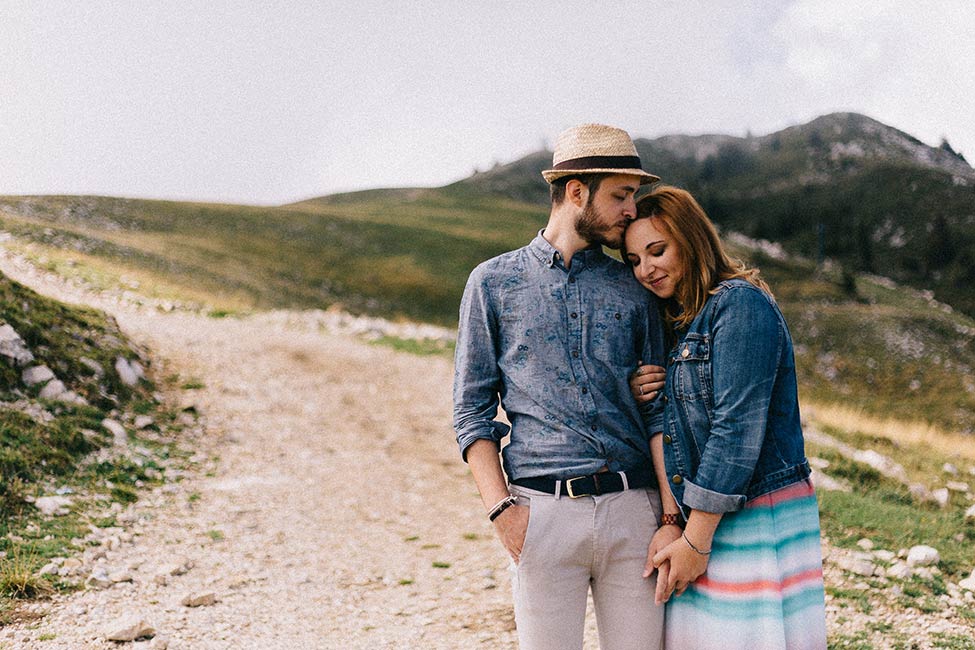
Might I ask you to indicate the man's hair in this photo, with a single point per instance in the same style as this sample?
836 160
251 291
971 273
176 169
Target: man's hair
591 181
703 260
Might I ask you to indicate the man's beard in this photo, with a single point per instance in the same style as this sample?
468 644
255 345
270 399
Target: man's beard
590 227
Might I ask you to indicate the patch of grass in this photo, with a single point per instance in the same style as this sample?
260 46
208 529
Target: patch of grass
856 641
441 565
855 596
193 384
47 636
419 347
215 535
472 536
411 538
17 574
946 641
405 581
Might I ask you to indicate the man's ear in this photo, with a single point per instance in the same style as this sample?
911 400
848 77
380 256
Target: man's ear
577 192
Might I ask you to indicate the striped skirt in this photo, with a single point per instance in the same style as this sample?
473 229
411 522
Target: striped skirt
763 589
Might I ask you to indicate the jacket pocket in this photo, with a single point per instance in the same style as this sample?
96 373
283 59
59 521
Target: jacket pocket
692 368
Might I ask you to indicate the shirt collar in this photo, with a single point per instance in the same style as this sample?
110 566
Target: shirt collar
549 255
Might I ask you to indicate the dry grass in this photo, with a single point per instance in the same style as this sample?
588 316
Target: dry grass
912 433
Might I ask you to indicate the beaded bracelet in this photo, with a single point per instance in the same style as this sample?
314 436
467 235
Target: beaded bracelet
670 519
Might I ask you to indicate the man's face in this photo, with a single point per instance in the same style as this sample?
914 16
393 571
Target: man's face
608 210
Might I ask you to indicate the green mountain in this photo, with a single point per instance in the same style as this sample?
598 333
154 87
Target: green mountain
843 186
883 199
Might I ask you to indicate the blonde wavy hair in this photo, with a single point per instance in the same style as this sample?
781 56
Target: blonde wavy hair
704 262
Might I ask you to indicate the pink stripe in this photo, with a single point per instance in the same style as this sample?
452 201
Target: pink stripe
810 575
792 492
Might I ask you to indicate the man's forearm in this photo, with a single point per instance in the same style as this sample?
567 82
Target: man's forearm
482 458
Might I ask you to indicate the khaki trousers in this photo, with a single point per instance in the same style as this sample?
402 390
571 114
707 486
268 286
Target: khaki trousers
572 545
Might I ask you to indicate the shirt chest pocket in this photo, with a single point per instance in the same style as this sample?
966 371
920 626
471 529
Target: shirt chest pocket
613 335
692 368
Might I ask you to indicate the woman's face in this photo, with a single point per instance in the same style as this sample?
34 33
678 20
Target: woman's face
653 255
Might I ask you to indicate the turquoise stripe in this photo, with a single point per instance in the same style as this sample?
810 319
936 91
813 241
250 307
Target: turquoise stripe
781 546
744 609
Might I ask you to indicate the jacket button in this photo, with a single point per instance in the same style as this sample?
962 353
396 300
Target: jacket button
664 398
667 438
677 480
685 353
573 314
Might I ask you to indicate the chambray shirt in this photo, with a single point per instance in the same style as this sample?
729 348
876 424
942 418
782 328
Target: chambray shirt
555 348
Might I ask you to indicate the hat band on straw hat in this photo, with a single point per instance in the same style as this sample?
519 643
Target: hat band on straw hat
599 162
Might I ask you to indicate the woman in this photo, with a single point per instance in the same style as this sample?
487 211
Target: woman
732 445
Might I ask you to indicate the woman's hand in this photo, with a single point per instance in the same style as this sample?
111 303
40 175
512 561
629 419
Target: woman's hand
646 381
685 566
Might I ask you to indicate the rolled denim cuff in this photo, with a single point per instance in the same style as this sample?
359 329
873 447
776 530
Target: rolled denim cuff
706 500
495 433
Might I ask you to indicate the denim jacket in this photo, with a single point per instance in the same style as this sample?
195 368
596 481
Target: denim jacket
732 428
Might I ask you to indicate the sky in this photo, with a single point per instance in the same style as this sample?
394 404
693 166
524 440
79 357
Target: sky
272 102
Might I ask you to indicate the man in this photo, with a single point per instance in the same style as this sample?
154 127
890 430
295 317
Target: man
551 331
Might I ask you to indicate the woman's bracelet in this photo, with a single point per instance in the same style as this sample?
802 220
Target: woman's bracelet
694 548
500 507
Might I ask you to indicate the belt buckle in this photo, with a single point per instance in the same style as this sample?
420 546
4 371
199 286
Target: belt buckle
568 487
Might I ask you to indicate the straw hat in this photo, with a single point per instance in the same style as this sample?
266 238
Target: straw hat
595 149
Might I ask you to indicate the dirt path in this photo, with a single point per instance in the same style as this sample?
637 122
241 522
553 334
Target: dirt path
337 513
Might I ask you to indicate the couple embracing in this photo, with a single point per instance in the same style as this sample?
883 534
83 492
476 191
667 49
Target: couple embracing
654 454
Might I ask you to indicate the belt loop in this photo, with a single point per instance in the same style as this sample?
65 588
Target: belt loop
626 484
558 490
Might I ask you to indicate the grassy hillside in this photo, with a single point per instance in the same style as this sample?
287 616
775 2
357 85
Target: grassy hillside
407 253
52 447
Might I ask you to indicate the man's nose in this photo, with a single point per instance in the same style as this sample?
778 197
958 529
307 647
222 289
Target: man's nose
629 209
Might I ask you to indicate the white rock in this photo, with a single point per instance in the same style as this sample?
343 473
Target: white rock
922 555
120 576
948 468
131 630
36 375
199 600
55 505
13 347
117 430
968 584
957 486
99 578
865 544
919 492
941 497
94 366
857 565
53 389
900 571
970 514
130 372
51 568
143 422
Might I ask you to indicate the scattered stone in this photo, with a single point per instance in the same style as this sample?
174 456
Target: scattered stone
53 506
884 555
899 570
13 347
199 600
131 630
922 556
120 576
130 372
919 492
99 579
970 514
49 569
948 468
117 430
957 486
941 497
94 366
968 584
53 389
860 564
36 375
865 544
143 422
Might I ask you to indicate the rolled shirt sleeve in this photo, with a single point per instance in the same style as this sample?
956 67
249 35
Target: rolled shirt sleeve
477 378
747 342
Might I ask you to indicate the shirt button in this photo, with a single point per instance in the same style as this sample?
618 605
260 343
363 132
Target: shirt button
664 398
573 314
584 390
575 354
572 280
667 438
618 316
594 427
676 479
